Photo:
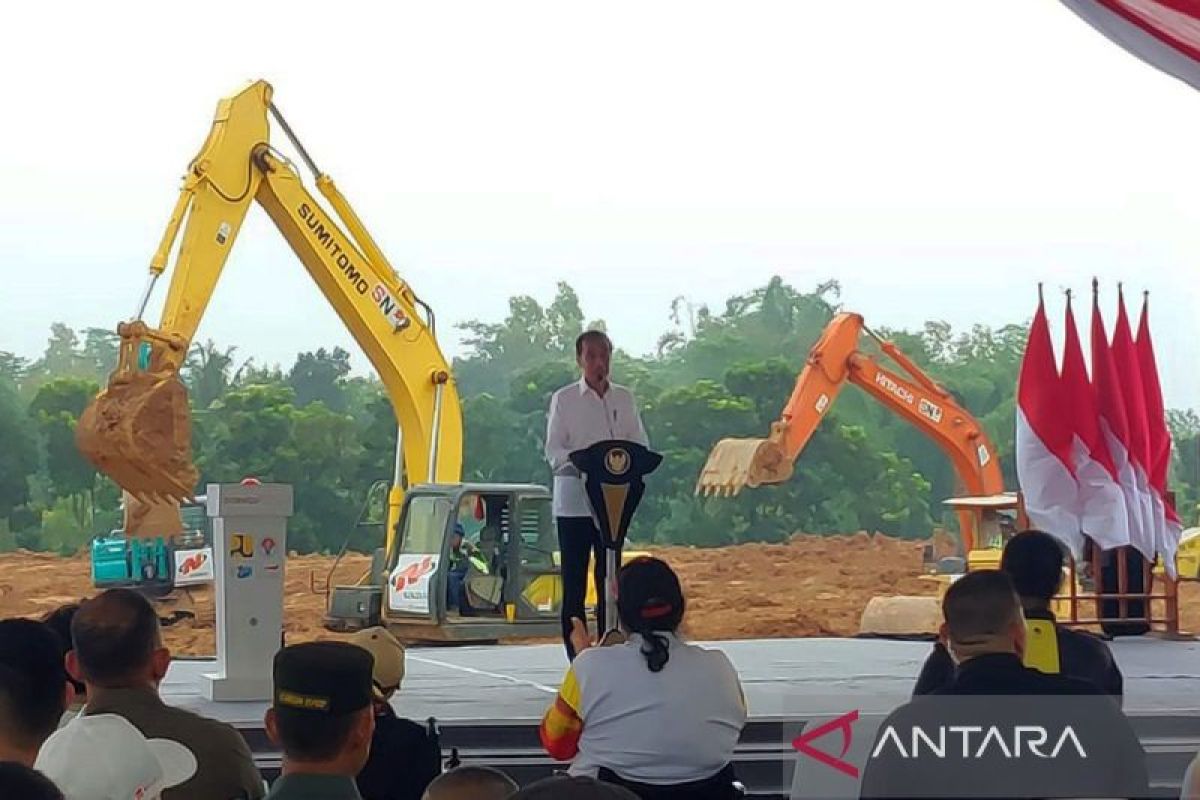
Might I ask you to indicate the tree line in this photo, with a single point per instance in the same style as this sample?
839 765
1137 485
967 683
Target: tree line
713 373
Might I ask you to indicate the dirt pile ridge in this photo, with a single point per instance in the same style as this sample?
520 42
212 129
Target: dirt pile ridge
810 586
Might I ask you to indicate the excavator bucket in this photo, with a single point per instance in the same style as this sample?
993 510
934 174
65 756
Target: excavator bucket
901 616
138 430
735 463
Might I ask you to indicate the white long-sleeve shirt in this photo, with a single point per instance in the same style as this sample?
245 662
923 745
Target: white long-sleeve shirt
579 418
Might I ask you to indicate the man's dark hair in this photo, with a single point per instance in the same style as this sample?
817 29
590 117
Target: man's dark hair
59 621
114 636
18 780
596 337
305 736
573 787
1034 560
483 783
33 680
980 605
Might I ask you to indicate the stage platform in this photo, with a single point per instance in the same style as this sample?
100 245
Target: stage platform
488 700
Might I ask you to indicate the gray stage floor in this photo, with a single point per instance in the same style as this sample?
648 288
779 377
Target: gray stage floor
782 678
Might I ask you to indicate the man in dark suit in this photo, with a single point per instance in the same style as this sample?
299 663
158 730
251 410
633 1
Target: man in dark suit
999 728
1034 561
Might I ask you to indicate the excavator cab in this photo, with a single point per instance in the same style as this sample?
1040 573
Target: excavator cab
473 563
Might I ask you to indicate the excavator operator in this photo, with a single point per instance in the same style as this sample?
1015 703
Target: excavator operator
460 561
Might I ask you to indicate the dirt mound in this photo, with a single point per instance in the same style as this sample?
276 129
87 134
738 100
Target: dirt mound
810 586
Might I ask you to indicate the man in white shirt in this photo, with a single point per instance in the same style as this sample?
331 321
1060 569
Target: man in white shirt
590 410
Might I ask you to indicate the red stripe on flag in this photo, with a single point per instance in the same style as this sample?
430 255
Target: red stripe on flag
1039 391
1156 416
1080 398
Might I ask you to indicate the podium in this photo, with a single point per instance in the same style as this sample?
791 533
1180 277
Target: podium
613 472
249 524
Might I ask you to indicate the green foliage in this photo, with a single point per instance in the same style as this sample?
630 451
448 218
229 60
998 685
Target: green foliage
714 374
55 411
318 378
18 451
208 373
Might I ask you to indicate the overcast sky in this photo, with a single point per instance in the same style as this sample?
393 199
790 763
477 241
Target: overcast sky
938 158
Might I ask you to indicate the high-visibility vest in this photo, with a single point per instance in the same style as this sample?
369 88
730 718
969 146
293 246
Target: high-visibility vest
1041 646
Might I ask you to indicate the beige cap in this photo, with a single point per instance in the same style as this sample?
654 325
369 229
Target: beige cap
389 659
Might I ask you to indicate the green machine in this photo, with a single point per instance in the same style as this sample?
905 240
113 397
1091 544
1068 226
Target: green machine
156 565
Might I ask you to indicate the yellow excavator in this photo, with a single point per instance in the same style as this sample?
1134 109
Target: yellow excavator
137 430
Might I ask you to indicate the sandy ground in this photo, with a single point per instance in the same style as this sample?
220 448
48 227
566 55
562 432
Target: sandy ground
812 586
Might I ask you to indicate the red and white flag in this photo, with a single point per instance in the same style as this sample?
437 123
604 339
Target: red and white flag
1115 424
1163 33
1045 438
1168 524
1102 514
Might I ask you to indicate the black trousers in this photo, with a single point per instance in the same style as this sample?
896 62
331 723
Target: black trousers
578 539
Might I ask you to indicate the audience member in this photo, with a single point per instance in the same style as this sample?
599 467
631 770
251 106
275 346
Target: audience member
471 783
119 655
653 710
26 783
1034 560
986 634
59 621
573 787
33 688
322 719
405 756
103 757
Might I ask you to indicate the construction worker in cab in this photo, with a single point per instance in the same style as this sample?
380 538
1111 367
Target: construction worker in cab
462 555
1034 561
653 710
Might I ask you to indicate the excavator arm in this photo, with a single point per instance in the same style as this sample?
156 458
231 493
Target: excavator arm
834 361
138 430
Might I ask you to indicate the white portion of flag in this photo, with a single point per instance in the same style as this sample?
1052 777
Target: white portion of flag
1048 488
1102 514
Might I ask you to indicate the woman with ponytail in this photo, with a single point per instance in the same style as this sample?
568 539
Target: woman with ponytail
654 713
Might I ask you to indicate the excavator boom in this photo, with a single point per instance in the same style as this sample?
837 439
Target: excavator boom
834 361
137 430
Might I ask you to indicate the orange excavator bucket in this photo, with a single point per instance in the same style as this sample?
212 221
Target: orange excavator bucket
137 431
736 463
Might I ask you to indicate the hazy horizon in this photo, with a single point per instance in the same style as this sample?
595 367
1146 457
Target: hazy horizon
937 162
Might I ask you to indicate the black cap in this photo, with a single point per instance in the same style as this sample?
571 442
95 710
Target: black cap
323 678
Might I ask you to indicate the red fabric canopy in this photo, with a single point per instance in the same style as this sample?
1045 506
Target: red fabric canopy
1163 33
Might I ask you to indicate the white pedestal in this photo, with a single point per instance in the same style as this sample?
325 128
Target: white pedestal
249 524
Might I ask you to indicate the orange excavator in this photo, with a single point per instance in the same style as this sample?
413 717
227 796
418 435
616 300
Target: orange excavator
836 359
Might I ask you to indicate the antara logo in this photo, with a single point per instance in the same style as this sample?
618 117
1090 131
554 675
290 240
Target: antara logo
1010 743
193 563
412 573
843 725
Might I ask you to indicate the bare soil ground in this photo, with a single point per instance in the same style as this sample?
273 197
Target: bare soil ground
811 586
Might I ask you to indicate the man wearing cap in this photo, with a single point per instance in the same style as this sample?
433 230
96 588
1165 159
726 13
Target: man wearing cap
405 756
120 656
322 718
